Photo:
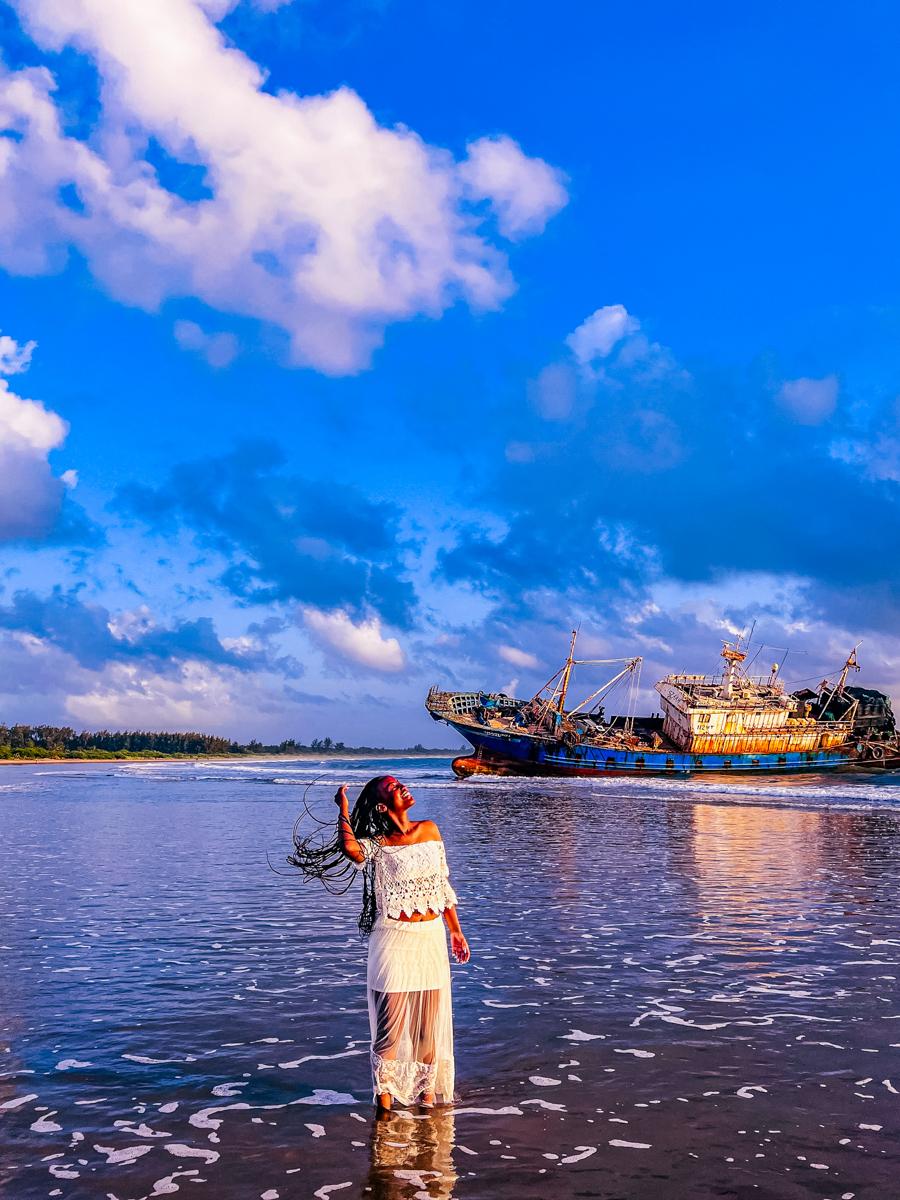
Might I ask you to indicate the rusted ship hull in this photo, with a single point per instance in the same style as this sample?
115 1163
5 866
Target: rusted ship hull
496 752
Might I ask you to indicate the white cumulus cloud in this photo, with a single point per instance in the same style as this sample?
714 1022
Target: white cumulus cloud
127 696
809 401
13 357
518 658
30 495
191 695
219 349
320 220
598 335
553 392
360 643
524 192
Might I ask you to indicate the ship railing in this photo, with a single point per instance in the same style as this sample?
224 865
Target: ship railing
716 681
464 704
709 680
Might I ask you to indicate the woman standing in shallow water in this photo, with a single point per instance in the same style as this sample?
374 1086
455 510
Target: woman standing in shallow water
406 890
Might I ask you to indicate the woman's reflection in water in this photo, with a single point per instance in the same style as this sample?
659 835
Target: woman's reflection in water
411 1158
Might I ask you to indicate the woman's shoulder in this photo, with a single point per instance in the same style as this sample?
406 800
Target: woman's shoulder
427 831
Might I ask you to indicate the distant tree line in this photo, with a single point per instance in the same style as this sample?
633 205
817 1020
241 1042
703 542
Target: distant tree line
52 741
39 741
327 746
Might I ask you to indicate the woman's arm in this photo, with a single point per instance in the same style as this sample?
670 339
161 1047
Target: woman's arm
347 838
458 944
459 947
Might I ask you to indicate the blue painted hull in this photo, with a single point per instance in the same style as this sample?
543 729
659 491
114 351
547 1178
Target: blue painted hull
497 752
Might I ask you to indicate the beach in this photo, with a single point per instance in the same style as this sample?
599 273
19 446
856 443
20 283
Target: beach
676 989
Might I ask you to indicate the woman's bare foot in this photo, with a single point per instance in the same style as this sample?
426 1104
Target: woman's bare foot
427 1100
384 1101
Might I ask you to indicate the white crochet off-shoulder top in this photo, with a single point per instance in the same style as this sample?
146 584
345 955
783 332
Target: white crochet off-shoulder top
409 879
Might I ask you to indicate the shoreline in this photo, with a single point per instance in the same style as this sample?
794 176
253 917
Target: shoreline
261 758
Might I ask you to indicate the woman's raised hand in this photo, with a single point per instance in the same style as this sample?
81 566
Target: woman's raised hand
346 839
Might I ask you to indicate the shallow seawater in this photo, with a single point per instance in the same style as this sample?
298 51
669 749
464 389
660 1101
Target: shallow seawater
676 989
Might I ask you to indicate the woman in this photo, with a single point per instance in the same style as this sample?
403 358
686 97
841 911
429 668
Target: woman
406 891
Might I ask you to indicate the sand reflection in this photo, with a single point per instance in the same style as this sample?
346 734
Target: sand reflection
411 1159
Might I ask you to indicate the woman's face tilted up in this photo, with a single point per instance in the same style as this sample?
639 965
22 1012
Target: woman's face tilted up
395 796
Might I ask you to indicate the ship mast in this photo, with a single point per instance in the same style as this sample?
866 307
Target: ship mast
838 689
851 662
567 672
732 656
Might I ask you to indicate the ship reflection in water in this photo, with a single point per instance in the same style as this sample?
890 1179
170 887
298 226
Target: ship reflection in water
755 860
678 988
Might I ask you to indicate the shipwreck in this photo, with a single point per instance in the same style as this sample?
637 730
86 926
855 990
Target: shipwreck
731 722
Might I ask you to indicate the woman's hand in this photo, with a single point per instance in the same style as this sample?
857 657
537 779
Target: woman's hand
346 838
459 947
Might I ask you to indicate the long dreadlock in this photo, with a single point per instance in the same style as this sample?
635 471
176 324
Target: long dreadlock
320 854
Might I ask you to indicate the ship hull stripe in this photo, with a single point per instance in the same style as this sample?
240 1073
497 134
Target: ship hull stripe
526 755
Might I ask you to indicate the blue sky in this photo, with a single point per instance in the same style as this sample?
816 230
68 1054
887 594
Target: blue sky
379 344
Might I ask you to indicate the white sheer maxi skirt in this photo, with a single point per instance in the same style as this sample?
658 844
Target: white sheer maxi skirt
410 1013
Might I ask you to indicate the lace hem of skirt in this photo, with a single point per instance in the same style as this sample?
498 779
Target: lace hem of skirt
405 1081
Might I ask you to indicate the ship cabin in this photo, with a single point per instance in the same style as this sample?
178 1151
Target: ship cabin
733 713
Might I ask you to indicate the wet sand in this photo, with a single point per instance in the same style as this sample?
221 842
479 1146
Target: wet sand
675 991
